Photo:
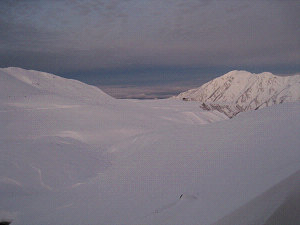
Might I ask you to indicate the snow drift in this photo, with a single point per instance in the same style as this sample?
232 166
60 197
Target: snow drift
70 154
239 91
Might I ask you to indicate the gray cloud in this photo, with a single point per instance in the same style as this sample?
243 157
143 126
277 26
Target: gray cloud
72 35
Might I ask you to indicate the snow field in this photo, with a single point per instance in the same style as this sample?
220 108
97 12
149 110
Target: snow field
70 154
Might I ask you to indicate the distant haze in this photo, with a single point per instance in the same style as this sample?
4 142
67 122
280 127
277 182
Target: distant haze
139 42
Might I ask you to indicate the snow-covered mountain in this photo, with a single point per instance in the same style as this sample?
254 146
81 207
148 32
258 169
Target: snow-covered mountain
17 84
70 154
239 91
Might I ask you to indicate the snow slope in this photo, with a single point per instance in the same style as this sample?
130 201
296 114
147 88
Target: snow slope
18 83
87 158
278 205
239 91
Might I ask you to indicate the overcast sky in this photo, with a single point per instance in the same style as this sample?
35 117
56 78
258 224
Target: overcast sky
85 37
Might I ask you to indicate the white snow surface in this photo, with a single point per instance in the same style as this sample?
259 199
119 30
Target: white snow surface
239 91
70 154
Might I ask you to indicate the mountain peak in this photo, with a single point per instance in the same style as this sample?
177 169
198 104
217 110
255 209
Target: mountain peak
239 91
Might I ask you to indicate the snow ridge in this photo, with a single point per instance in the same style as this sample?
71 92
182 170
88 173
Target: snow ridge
239 91
22 82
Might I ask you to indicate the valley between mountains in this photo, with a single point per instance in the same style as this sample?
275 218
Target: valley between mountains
71 154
